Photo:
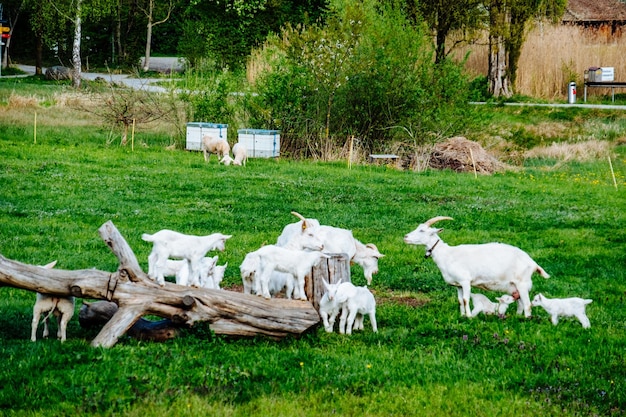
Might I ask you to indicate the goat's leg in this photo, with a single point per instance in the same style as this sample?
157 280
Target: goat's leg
342 319
62 333
350 322
35 324
46 331
584 320
464 292
555 319
302 295
524 300
372 315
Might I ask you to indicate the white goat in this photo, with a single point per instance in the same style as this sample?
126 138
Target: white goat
61 307
240 153
302 239
482 304
212 145
490 266
329 305
337 240
179 268
218 276
167 243
356 302
295 262
564 307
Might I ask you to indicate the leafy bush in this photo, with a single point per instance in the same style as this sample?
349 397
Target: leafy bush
367 72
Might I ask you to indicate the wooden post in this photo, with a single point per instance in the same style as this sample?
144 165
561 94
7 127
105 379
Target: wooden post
333 269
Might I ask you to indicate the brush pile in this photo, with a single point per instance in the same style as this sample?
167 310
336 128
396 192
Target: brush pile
462 155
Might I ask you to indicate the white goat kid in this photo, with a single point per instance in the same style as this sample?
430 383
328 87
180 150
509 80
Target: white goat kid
337 240
179 268
482 304
217 276
302 239
240 153
564 307
356 303
61 307
329 306
167 243
212 145
489 266
295 262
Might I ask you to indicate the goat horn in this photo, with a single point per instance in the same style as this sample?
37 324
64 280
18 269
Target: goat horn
434 220
301 217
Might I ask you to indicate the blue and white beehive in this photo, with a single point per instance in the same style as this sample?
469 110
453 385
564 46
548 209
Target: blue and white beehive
196 130
260 143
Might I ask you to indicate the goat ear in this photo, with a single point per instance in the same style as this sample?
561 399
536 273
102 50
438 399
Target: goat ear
326 284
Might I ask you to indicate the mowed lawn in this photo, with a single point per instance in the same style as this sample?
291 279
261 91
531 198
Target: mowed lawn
425 359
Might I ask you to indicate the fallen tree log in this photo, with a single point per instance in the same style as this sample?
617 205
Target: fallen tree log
137 295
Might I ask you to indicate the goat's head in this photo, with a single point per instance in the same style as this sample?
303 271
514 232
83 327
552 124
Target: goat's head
425 234
503 303
307 239
369 262
220 243
331 289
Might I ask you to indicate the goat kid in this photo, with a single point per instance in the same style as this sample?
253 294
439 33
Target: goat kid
329 306
61 307
489 266
564 307
170 244
356 302
482 304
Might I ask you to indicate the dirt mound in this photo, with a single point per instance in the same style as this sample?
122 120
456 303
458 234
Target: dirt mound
462 155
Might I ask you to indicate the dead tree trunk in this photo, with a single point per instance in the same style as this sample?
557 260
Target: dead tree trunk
333 269
136 295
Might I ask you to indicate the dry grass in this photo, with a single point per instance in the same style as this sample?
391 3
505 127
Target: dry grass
584 151
554 55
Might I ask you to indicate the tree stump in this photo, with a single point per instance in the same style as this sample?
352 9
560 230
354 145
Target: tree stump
333 269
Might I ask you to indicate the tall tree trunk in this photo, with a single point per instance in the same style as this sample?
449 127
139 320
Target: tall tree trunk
76 73
146 61
118 33
38 53
499 83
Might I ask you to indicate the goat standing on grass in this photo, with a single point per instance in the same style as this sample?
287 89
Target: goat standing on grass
564 307
167 243
61 307
489 266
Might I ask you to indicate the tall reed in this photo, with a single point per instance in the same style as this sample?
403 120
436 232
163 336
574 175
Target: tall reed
554 55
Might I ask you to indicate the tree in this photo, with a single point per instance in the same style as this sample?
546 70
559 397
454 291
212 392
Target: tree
149 11
508 21
445 17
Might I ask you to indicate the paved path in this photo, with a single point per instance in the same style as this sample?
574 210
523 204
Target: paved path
156 64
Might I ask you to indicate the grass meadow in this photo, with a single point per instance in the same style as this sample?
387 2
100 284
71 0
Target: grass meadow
56 192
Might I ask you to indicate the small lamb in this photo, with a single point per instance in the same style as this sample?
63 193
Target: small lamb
564 307
241 154
61 307
485 305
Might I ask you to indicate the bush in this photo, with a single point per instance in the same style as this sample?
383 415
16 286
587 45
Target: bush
367 72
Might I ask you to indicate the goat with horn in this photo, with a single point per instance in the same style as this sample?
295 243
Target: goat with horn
489 266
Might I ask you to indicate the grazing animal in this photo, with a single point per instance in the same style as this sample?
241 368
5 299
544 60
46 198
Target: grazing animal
337 240
61 307
167 243
564 307
212 145
489 266
240 153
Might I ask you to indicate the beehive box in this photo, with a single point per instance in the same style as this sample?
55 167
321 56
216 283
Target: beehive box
196 130
260 143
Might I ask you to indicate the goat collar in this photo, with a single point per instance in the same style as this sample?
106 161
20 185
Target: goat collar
429 252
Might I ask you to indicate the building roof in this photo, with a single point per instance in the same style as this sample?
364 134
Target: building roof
580 11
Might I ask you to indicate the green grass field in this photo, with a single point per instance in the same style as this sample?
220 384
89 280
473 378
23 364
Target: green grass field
425 359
